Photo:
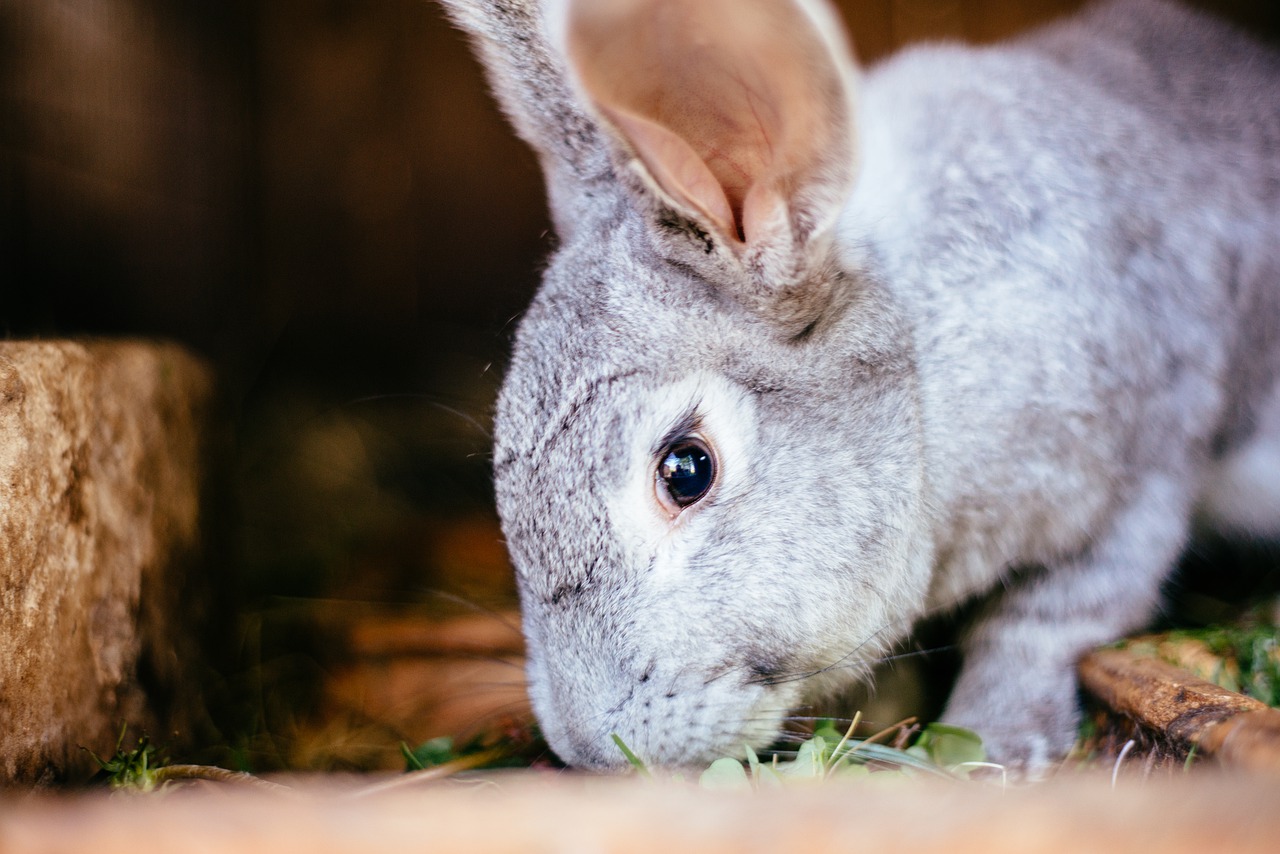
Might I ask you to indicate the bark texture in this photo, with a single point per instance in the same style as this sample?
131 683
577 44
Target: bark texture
1170 711
101 463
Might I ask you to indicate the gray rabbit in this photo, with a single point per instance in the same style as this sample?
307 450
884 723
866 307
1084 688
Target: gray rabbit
822 351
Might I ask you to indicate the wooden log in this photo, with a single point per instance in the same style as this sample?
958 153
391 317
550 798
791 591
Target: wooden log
101 456
1250 741
1183 712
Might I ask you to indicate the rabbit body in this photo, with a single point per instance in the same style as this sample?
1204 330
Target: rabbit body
1006 318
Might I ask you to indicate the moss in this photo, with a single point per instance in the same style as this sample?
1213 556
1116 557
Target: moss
1243 658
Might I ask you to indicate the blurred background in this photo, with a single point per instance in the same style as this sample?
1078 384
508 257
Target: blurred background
320 198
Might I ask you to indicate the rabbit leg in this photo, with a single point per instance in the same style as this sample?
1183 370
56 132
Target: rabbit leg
1017 687
1243 492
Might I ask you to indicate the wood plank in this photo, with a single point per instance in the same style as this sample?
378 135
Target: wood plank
567 813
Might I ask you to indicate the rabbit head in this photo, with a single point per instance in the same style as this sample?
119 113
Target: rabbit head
707 448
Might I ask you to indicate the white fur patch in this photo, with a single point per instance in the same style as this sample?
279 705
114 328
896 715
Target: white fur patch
726 416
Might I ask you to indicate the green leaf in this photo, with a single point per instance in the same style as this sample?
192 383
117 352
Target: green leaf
949 746
768 777
809 762
827 730
725 774
130 769
429 754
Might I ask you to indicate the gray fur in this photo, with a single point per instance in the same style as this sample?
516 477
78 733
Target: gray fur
1043 329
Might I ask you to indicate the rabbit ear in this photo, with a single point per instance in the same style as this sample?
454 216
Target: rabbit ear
739 114
528 78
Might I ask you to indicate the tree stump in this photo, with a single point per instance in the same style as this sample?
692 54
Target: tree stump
102 456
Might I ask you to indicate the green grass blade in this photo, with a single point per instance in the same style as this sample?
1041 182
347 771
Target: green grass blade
636 761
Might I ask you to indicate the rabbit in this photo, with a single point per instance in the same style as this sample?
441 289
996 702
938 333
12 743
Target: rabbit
822 350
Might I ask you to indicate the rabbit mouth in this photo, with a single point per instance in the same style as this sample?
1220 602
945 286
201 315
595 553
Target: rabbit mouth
669 720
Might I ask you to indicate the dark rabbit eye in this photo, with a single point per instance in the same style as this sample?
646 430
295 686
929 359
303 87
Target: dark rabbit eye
685 473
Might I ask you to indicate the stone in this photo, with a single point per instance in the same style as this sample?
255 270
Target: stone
102 456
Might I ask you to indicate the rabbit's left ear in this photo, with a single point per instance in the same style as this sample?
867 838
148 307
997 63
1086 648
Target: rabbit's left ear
738 113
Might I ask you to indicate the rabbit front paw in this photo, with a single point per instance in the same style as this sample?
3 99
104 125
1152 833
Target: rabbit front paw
1026 733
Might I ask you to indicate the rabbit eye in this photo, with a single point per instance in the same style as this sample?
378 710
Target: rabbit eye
685 473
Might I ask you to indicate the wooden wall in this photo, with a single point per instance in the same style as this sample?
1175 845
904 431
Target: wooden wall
880 26
269 180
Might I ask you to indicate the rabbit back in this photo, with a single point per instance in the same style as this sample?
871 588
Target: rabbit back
1082 225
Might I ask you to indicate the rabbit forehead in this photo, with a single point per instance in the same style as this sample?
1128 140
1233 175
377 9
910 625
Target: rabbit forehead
580 503
606 312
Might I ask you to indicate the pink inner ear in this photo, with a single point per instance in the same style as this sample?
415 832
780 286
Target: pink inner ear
764 214
679 170
731 105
